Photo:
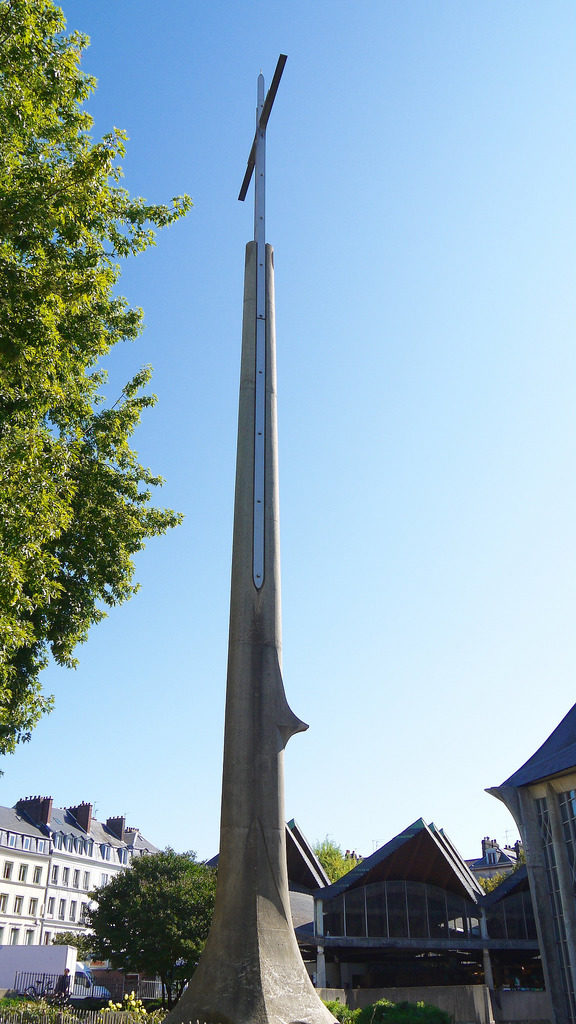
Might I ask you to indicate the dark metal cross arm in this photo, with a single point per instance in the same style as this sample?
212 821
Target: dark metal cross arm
270 97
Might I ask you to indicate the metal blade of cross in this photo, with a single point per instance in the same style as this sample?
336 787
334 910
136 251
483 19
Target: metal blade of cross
257 165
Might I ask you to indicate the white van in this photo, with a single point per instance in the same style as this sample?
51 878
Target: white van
84 986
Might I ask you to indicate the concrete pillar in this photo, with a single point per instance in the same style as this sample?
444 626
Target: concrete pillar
251 971
521 803
320 968
565 881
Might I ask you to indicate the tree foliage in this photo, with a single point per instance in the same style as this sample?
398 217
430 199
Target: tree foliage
155 917
81 941
74 501
491 883
333 860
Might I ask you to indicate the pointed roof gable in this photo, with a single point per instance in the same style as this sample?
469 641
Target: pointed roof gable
421 853
556 755
304 868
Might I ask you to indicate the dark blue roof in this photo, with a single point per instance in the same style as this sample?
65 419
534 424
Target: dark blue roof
557 754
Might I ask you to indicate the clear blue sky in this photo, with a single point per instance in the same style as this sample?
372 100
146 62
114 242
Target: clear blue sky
421 205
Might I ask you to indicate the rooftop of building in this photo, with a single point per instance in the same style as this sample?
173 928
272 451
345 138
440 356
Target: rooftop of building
556 756
421 853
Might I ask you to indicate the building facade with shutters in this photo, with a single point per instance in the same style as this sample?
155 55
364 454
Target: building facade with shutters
51 859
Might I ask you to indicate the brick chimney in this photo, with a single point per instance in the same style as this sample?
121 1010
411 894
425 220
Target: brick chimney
488 844
37 808
117 827
83 815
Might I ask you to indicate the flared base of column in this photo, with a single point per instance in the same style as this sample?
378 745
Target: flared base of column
268 986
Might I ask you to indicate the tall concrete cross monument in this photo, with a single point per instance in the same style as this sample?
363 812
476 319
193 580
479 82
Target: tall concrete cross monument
251 971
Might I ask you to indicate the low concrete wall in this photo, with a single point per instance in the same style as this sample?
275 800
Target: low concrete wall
466 1004
513 1006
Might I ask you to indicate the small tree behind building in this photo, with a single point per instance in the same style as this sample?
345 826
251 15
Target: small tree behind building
83 943
334 861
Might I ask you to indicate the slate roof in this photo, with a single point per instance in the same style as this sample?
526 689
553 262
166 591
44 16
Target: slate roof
12 821
135 841
62 821
302 911
556 755
482 863
421 853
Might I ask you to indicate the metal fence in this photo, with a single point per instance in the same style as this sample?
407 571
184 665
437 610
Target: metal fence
65 1016
38 985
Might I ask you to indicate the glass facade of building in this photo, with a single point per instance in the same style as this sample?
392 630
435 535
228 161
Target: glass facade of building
401 910
553 883
512 918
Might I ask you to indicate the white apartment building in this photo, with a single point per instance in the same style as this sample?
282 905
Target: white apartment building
51 859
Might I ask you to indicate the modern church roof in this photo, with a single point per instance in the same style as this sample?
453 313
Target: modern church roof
556 755
421 853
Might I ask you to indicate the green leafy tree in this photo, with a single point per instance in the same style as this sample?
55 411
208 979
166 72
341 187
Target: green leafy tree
489 884
333 860
82 942
155 917
74 501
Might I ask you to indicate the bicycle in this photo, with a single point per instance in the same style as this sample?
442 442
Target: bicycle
47 992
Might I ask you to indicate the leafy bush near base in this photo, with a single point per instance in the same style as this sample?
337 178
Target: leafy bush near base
385 1012
22 1011
26 1012
342 1012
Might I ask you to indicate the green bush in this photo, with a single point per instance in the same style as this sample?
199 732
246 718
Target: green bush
342 1012
385 1012
27 1012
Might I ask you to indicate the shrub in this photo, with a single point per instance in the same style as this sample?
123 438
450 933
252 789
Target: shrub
134 1010
342 1012
385 1012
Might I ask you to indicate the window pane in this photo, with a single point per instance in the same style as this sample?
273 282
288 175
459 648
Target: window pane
456 916
376 906
355 921
417 918
495 922
397 918
515 917
437 912
334 917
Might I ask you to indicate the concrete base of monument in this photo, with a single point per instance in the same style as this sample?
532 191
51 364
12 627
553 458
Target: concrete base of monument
237 1003
266 985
